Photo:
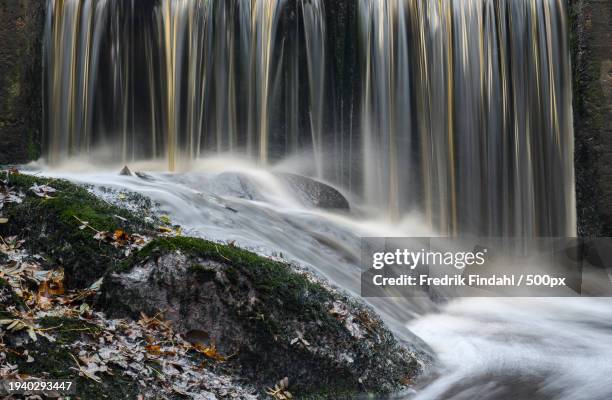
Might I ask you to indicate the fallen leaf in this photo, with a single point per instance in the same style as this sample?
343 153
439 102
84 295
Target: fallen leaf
153 349
121 235
43 191
406 381
279 391
96 285
210 352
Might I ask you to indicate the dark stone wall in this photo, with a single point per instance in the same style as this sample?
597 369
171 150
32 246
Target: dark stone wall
592 61
21 32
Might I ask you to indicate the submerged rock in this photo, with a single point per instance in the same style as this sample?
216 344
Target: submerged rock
144 176
314 193
234 184
273 321
125 171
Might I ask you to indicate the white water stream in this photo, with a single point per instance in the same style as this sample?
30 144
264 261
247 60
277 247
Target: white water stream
483 348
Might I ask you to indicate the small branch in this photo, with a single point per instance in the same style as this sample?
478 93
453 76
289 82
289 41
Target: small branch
218 252
86 224
50 328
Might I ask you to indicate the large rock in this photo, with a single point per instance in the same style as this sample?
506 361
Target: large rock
21 32
314 193
275 322
272 321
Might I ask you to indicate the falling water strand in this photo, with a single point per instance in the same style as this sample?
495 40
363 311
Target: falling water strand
314 28
264 21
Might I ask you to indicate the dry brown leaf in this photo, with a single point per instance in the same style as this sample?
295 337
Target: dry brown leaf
406 381
210 352
121 236
153 349
54 287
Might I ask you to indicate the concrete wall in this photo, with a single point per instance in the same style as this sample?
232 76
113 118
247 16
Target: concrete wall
21 31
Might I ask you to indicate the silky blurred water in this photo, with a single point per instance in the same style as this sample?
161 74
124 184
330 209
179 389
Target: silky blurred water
474 348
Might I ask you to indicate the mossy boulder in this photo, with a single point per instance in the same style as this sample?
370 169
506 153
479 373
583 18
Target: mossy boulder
273 321
268 320
51 227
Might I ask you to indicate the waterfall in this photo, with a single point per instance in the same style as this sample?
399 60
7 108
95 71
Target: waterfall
161 79
474 95
463 111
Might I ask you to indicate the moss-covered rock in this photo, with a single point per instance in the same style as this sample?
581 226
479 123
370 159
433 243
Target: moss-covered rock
51 227
273 321
267 319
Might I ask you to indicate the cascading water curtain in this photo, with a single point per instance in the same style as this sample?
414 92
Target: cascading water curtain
464 113
475 97
163 78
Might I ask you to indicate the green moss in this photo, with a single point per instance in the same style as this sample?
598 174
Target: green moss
68 330
276 283
50 227
203 273
70 201
266 275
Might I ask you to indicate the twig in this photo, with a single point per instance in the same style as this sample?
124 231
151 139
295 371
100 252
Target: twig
86 224
49 329
75 360
218 252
